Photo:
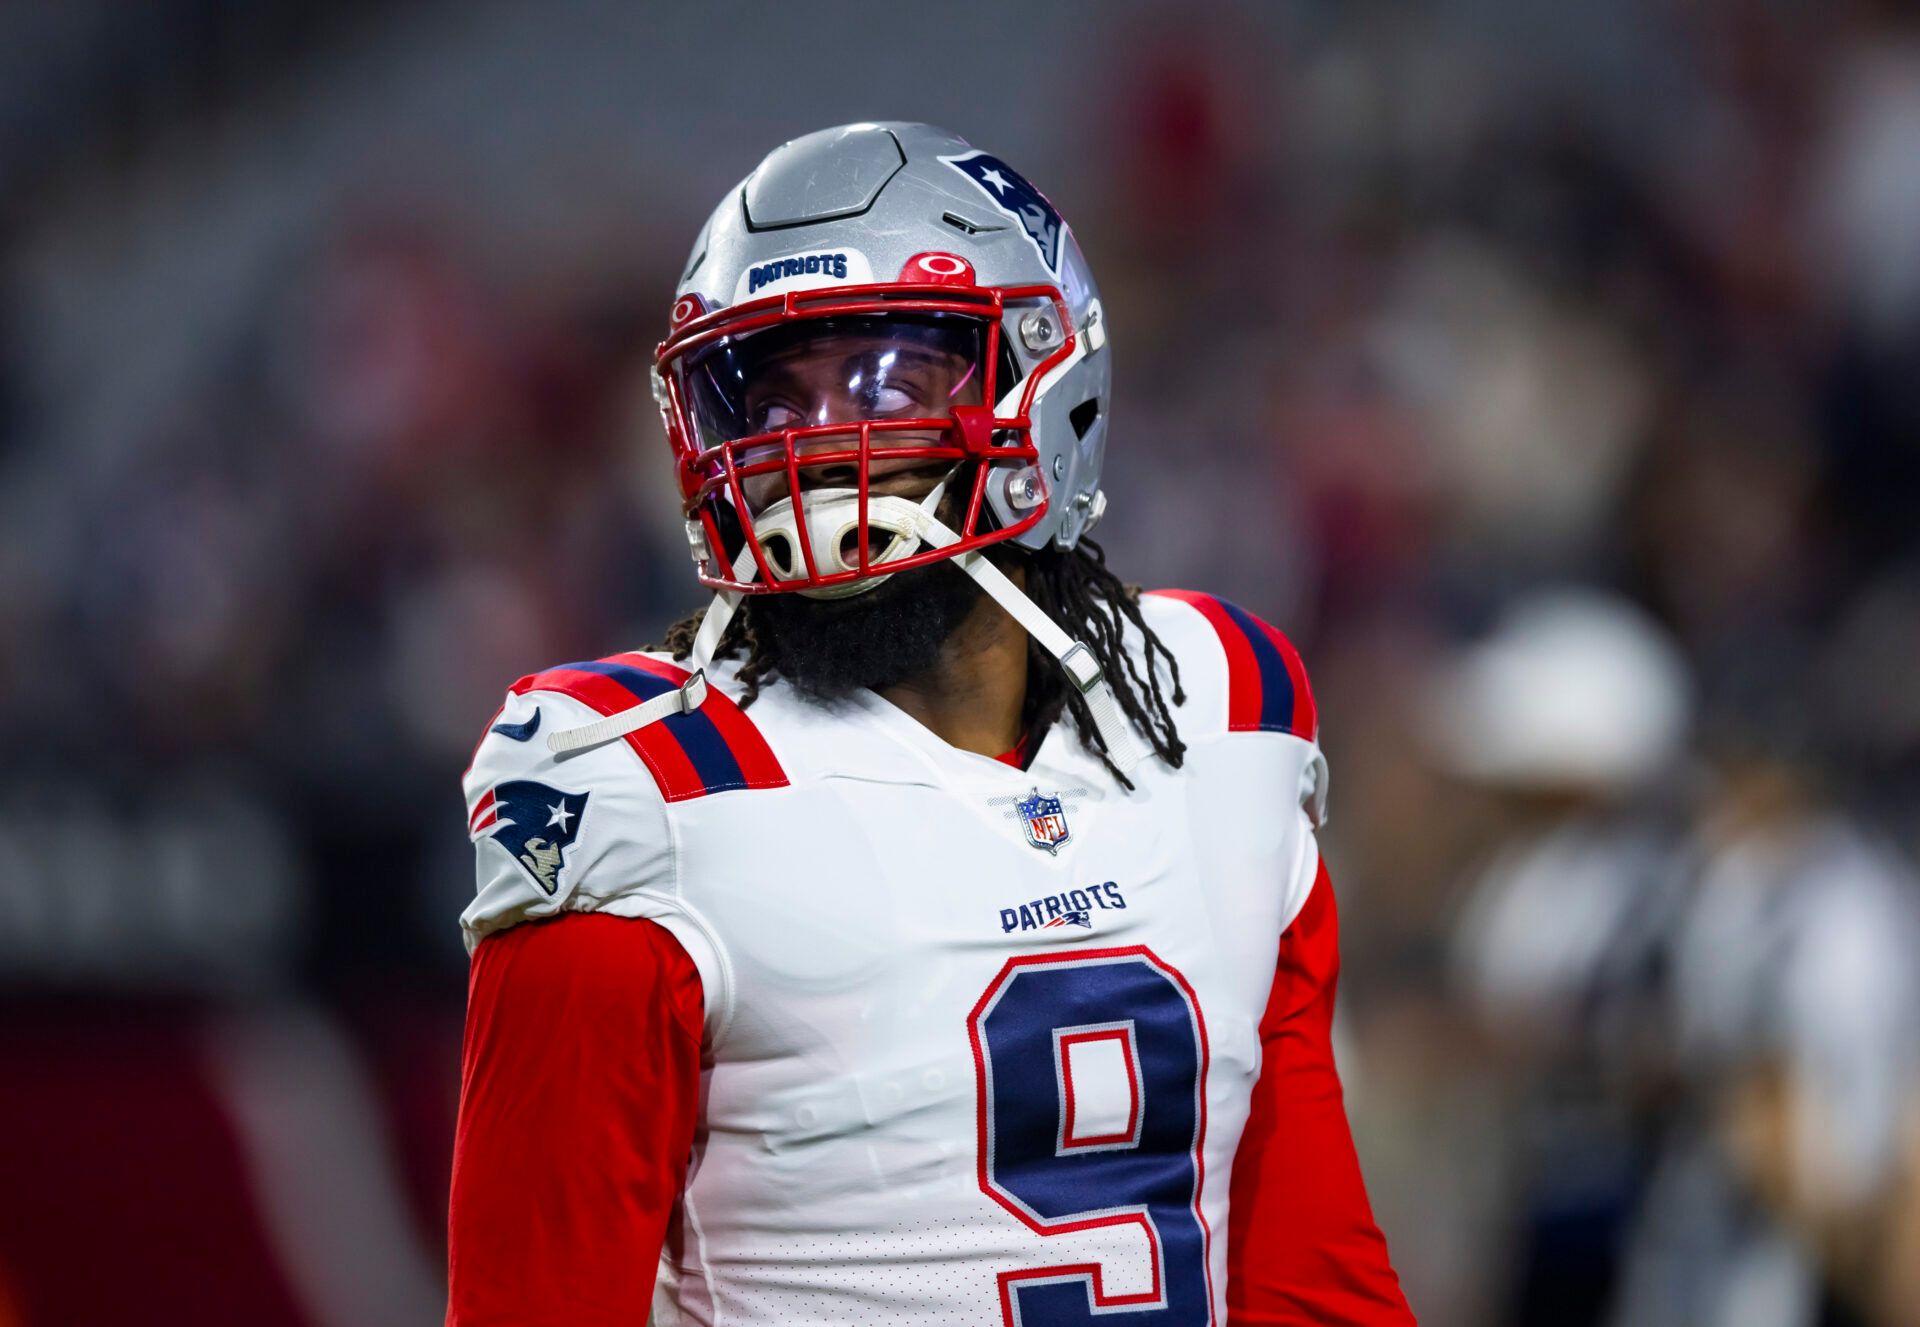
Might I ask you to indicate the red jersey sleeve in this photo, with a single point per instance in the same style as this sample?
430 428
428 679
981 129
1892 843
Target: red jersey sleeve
1302 1247
579 1086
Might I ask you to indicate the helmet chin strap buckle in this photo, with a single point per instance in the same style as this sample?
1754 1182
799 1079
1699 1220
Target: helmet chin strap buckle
1080 668
692 693
689 696
686 698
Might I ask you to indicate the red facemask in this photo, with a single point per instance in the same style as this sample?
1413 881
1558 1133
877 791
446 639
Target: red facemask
863 397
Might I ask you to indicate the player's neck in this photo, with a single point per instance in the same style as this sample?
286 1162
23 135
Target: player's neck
973 697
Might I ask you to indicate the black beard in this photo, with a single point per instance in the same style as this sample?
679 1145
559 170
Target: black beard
830 648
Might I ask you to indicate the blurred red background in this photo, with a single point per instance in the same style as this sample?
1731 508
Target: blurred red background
1550 372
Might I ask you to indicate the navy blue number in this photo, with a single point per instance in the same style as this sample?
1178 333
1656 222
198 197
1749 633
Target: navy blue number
1149 1174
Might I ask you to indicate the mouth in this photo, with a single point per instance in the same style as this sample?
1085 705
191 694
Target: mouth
850 547
913 485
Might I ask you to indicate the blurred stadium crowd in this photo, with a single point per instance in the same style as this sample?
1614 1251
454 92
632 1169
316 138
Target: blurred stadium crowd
1551 373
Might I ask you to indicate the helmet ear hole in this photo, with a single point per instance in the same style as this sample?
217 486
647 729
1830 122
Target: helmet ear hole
1082 416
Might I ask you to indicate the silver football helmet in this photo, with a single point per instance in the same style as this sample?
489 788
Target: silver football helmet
872 299
886 351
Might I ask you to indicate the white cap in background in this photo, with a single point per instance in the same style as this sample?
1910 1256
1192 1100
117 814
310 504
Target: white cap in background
1574 689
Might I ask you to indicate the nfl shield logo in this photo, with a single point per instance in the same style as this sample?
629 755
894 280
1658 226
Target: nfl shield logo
1044 819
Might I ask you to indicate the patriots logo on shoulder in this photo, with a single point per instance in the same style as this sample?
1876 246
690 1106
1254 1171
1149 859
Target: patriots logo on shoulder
534 823
1011 193
1044 819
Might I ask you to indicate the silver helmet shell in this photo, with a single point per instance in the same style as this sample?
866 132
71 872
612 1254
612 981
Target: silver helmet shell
858 203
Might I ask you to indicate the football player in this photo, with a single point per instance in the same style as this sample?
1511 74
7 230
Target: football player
934 931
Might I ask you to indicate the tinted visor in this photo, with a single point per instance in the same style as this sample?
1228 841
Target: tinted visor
837 371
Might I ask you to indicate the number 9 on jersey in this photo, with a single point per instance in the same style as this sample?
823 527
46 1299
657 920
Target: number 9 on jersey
1091 1069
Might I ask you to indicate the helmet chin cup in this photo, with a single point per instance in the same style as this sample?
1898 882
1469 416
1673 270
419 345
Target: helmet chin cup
894 526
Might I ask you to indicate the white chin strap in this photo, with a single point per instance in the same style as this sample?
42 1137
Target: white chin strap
831 514
1123 744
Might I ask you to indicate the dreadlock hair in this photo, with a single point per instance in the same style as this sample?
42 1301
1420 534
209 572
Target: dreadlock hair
1075 589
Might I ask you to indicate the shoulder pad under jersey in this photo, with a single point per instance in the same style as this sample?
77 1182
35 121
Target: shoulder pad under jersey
579 831
1241 675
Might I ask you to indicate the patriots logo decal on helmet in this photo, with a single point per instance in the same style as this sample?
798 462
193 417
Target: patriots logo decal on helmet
534 823
1011 193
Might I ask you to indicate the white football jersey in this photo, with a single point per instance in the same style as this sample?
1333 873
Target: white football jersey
979 1040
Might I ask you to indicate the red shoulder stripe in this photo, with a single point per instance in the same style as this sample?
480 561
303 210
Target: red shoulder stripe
663 757
1267 687
1243 677
757 762
1306 714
